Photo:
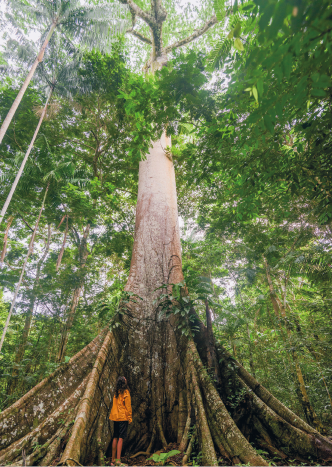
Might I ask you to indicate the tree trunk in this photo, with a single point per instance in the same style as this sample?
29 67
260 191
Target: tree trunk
212 359
58 263
21 349
19 173
5 239
83 255
19 96
64 419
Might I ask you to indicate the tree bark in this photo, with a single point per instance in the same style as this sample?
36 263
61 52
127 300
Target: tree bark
19 96
5 239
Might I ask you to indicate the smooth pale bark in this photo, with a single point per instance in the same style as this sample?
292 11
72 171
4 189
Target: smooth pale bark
5 239
19 173
156 257
30 250
21 92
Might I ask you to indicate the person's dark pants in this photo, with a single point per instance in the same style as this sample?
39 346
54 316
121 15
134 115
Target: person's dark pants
120 429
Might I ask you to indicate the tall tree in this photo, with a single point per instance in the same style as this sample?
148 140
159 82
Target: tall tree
30 250
84 25
27 324
59 74
161 353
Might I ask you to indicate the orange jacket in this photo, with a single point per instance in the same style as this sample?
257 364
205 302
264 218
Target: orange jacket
121 410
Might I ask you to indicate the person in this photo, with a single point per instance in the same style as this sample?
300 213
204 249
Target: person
121 415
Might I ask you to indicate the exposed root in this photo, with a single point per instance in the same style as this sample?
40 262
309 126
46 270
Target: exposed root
208 452
69 459
271 449
232 439
35 406
100 446
140 453
73 448
63 415
182 416
152 440
185 438
268 398
297 440
187 455
53 450
217 440
161 431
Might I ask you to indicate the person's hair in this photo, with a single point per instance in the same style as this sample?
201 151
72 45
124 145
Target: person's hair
121 386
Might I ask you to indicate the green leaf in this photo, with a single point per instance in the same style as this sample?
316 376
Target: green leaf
238 44
255 93
219 8
260 87
237 30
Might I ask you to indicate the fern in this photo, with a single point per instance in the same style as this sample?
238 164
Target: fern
219 53
219 8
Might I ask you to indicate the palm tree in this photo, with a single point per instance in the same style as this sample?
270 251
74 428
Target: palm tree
86 26
58 74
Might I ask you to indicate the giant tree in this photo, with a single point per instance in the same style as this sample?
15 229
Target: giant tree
163 354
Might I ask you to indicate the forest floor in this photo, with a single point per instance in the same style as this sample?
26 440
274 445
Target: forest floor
194 460
177 460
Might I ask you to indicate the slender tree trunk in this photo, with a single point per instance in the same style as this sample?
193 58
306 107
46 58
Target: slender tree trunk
19 96
19 173
303 397
58 263
30 250
251 358
67 326
83 253
5 240
22 346
212 359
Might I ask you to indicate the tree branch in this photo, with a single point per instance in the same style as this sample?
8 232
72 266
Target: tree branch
149 19
25 222
199 32
140 36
